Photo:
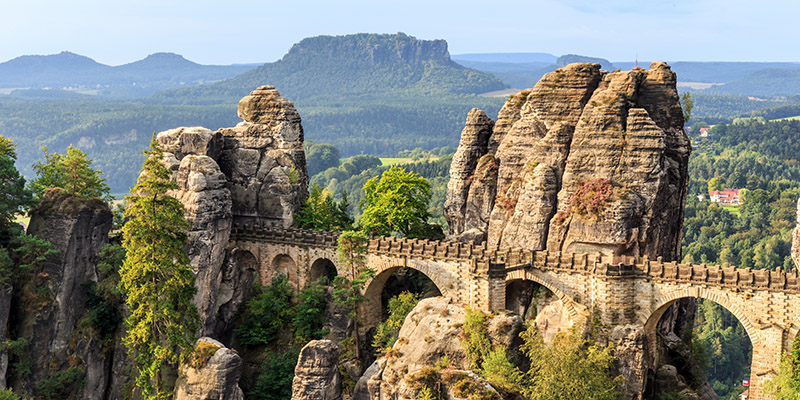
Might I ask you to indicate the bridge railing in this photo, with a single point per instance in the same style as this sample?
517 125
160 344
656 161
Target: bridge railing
291 236
424 248
515 259
721 276
597 264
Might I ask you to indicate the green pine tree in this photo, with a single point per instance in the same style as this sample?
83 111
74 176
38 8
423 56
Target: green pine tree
347 290
156 278
72 172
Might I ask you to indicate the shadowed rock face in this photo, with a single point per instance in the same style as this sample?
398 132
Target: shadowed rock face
796 241
316 376
577 125
77 229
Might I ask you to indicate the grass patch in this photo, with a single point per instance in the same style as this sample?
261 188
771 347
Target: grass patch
731 209
787 118
387 161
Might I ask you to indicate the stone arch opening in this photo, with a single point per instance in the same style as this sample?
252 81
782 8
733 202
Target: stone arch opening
285 264
397 279
538 304
515 280
683 327
322 270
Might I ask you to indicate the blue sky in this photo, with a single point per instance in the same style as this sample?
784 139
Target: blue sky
250 31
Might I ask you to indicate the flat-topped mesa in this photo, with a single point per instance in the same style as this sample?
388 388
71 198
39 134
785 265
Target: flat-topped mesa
586 161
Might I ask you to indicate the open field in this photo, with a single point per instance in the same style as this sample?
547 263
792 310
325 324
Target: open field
386 161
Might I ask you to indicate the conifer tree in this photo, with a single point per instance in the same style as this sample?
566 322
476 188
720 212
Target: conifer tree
156 278
72 172
347 290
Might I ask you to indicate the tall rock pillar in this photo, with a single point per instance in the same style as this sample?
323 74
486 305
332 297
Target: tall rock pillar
77 229
796 239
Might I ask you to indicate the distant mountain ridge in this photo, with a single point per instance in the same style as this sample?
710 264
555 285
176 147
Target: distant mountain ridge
512 58
140 78
352 65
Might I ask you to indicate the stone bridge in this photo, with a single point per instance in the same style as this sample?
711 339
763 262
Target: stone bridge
627 293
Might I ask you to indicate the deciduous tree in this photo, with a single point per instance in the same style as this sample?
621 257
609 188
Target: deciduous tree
397 201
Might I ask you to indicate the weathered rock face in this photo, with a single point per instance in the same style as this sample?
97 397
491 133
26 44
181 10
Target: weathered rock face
216 377
5 309
316 376
586 161
796 239
432 331
263 159
77 229
207 205
474 145
252 173
576 125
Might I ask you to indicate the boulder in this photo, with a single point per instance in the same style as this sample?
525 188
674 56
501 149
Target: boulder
432 332
213 374
317 376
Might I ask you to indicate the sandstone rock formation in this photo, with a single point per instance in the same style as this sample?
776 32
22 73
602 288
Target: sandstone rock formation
474 144
796 239
77 229
577 125
264 160
587 161
215 376
431 332
316 376
253 173
5 310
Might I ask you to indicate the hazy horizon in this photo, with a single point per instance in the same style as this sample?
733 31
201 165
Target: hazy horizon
258 32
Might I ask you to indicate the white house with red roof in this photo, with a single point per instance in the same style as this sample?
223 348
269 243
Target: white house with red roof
725 196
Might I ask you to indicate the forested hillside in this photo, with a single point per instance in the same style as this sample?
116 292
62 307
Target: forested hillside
366 94
66 73
343 67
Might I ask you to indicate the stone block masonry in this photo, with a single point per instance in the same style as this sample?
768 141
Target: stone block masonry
626 291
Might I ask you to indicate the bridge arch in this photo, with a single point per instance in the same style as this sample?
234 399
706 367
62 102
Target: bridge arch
285 264
660 306
384 269
551 284
734 304
322 267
